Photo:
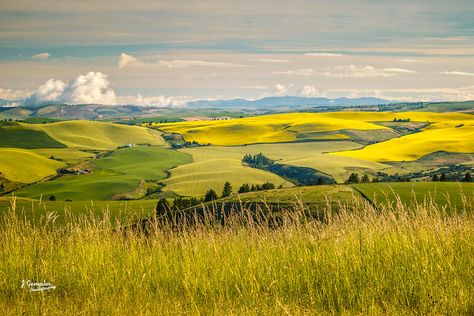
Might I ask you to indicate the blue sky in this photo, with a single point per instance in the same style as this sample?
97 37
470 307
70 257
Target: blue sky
170 51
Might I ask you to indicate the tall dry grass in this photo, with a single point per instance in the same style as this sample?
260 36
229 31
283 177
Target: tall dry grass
391 260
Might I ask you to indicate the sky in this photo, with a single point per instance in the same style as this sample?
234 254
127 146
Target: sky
166 52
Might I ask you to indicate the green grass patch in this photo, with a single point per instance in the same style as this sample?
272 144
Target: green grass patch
98 135
36 210
119 175
451 195
25 166
21 137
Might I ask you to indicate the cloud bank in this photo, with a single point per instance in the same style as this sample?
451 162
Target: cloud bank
126 60
41 56
353 71
91 88
13 95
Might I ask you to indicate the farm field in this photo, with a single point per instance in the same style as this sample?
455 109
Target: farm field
412 147
286 127
21 165
37 210
210 169
68 155
225 162
124 171
45 141
97 135
452 196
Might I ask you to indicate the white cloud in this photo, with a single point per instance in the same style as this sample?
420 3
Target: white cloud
412 95
297 72
156 101
353 71
126 60
458 73
257 87
10 94
408 60
92 88
398 70
41 56
129 60
272 61
324 54
309 92
280 90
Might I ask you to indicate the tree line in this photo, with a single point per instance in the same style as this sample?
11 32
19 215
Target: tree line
181 203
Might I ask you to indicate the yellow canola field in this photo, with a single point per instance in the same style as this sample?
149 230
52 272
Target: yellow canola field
414 146
287 127
24 166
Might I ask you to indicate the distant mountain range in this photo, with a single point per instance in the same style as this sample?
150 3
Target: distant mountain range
287 101
97 111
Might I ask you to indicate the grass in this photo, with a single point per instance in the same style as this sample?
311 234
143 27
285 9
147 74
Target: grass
24 166
37 210
98 135
119 175
445 194
21 137
68 155
394 260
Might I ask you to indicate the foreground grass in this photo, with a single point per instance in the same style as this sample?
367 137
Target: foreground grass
394 260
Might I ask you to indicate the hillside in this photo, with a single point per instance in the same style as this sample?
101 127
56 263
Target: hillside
97 135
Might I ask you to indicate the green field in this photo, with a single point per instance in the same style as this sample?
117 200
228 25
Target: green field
211 168
118 175
213 165
98 135
37 210
24 166
68 155
21 137
454 196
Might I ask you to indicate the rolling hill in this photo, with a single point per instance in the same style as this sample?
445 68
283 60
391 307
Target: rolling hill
97 135
24 166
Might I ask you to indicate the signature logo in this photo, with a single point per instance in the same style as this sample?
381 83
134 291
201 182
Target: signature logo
36 286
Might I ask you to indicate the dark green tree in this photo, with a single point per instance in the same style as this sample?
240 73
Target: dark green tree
268 186
211 195
52 198
162 207
467 177
227 190
365 179
244 188
443 177
353 178
435 178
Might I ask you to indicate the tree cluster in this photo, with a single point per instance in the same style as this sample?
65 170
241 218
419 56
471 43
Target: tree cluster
258 160
244 188
444 177
354 178
402 120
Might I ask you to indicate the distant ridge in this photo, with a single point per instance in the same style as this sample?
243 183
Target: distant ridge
289 101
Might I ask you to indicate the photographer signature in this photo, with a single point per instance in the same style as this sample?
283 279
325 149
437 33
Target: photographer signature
36 286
